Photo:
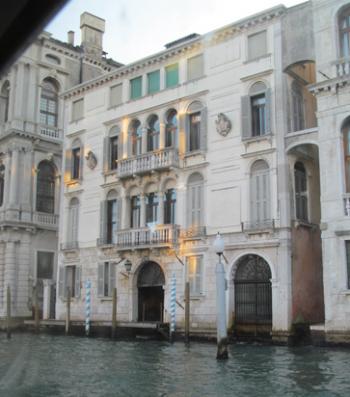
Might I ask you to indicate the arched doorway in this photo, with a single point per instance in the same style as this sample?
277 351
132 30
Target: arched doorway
150 284
253 296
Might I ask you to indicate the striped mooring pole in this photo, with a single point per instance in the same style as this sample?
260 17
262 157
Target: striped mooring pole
87 307
172 307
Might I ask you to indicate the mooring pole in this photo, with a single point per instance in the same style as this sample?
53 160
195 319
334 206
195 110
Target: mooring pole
114 312
87 307
222 353
8 316
36 309
187 312
67 311
172 308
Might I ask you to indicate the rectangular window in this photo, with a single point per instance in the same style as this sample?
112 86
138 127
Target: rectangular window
257 45
169 206
112 208
136 88
135 212
195 274
347 247
45 262
153 82
70 276
151 208
172 75
76 163
195 67
77 110
195 127
106 279
113 152
115 97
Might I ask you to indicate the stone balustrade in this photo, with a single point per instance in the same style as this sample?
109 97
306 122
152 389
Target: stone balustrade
44 219
50 132
342 67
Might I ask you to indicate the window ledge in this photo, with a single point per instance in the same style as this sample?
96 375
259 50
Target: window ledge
265 137
77 120
194 297
344 292
194 153
302 223
257 58
110 172
105 298
114 106
195 79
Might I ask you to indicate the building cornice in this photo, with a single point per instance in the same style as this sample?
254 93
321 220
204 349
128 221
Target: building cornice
331 85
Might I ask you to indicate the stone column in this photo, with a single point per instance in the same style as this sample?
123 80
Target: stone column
26 204
162 81
47 299
7 178
2 279
10 273
144 140
14 178
20 101
125 213
143 210
161 136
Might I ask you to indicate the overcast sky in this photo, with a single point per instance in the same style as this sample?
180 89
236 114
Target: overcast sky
138 28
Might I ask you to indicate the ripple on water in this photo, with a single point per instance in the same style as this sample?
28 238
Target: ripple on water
43 365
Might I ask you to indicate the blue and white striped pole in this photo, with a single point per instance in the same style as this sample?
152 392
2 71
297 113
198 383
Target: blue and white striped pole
172 306
87 307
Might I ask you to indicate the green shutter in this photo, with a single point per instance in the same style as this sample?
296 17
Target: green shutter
172 75
136 88
153 82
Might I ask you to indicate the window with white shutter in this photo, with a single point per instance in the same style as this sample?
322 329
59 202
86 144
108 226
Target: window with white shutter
260 205
78 109
195 274
301 200
73 221
257 45
195 67
106 279
115 95
195 201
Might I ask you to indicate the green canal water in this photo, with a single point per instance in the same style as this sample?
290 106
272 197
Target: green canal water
43 365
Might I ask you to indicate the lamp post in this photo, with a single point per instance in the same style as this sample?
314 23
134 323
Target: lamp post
222 353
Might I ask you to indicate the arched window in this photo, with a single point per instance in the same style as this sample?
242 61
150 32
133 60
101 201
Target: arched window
196 127
73 221
49 103
4 102
344 32
256 111
153 133
260 206
169 206
76 156
45 189
112 216
113 148
346 140
135 211
300 180
171 128
298 107
195 200
135 134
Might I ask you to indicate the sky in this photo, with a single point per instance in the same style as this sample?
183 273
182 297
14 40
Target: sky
136 29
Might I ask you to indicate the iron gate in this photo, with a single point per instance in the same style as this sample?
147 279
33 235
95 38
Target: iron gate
253 296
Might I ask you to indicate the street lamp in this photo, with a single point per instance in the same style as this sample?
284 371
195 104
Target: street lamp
222 353
127 265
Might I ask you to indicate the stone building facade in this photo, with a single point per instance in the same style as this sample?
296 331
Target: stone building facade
217 133
31 135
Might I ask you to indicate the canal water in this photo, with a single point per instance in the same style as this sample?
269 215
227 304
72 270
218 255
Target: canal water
43 365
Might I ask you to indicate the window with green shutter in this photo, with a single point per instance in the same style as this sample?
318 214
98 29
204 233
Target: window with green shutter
172 75
136 88
153 80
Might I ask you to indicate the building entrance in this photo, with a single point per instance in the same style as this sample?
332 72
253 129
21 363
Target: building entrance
253 296
150 285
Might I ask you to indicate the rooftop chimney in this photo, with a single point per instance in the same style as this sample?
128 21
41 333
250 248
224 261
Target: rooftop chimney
92 29
70 35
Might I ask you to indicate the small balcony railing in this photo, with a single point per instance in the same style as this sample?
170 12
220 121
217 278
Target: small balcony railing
69 245
44 219
161 236
342 67
346 202
257 226
50 132
147 162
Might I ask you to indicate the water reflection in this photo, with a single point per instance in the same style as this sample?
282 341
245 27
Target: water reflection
42 365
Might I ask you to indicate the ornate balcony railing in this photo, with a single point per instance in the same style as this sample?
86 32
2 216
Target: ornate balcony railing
162 236
69 245
256 226
45 219
346 201
50 132
147 162
342 67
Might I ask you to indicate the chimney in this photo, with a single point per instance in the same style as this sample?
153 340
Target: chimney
70 35
92 29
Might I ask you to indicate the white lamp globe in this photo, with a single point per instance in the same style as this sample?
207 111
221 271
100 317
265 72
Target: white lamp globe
219 245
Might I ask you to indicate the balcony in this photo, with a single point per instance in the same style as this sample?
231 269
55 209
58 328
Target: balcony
69 246
44 219
50 132
346 203
263 226
342 67
148 162
144 237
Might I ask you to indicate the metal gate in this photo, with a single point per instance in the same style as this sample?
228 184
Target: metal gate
253 297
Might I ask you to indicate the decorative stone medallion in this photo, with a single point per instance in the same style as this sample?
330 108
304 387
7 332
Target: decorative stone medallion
223 124
91 160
